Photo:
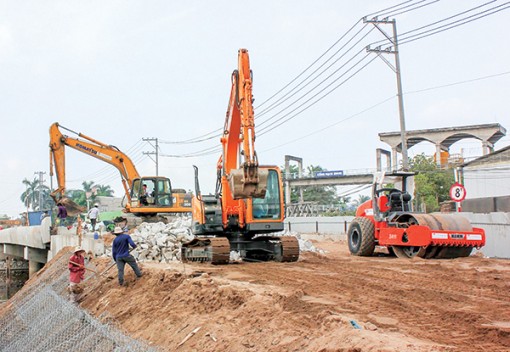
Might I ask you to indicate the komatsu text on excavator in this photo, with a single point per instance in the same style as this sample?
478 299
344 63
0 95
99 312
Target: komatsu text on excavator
248 205
146 196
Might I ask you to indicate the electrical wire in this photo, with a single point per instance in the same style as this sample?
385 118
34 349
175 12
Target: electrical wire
216 133
272 126
396 10
457 83
334 124
455 24
396 13
287 97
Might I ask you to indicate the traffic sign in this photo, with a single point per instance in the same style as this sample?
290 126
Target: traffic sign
457 192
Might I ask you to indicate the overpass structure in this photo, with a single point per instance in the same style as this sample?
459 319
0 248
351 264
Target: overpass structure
322 178
444 138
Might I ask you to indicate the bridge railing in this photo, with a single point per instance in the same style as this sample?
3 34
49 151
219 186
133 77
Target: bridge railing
329 174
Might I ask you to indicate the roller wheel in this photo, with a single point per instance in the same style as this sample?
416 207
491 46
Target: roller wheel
453 252
409 252
361 237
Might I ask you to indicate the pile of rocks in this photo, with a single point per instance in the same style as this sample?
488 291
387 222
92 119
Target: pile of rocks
162 242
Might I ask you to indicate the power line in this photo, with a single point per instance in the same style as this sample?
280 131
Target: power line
402 11
278 123
282 100
334 124
217 133
457 83
406 6
455 24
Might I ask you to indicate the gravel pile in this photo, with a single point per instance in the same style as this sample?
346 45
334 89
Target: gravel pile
162 242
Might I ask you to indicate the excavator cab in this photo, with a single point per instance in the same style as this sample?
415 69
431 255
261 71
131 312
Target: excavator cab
268 207
151 192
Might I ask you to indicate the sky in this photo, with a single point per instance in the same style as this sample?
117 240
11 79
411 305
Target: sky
121 71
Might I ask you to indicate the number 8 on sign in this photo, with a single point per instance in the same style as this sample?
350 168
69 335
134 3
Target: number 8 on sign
457 192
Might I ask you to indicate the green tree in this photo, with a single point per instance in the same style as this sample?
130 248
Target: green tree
104 191
319 194
87 196
432 185
361 199
34 192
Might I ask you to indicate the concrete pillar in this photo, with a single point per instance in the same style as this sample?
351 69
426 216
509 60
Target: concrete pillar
394 158
438 154
487 147
287 192
33 267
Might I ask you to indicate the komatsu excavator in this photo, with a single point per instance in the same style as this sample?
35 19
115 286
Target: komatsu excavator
146 196
388 220
248 205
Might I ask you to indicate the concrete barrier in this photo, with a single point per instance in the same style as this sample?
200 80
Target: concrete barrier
497 232
29 236
88 243
334 225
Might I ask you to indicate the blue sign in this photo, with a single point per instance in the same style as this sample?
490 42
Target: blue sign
325 174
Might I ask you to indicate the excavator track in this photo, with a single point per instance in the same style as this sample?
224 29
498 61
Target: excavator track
290 249
215 250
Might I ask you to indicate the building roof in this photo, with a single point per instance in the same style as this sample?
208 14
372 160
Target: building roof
502 154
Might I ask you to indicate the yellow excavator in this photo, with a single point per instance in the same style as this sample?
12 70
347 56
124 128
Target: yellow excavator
146 196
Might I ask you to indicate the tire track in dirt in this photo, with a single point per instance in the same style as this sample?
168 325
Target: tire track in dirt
447 302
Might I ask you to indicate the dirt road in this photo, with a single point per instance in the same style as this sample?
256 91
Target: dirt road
315 304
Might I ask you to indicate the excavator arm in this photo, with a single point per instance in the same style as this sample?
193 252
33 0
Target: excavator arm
245 180
107 153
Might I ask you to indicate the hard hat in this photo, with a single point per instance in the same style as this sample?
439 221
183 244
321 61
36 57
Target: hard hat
117 230
96 205
78 249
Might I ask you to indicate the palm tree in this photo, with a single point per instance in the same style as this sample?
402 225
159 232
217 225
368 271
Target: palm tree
105 191
361 199
30 197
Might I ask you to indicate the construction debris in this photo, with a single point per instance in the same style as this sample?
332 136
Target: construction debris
161 242
193 332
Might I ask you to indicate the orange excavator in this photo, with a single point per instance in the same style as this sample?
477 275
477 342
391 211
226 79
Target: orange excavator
146 196
247 206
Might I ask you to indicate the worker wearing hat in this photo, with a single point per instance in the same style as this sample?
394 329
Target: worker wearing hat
76 267
93 215
120 252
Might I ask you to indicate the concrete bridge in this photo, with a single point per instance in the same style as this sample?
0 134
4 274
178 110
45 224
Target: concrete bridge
36 245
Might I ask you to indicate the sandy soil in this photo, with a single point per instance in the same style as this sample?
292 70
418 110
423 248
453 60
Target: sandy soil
313 304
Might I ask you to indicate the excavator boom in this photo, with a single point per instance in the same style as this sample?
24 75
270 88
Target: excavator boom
247 208
140 200
246 180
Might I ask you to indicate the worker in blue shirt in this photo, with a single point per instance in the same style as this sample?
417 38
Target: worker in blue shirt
120 252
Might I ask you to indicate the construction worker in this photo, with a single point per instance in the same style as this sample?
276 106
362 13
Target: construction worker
120 252
93 215
76 274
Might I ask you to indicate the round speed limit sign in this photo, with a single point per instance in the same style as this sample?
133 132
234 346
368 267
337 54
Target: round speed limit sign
457 192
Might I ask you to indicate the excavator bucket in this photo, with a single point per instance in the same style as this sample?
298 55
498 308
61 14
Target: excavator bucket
72 208
244 185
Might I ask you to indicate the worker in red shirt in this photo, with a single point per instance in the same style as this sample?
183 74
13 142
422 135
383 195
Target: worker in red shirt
76 274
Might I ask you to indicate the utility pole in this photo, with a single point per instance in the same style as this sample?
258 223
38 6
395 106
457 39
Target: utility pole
41 181
156 148
393 49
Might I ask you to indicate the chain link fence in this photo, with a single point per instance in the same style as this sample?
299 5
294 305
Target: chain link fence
40 318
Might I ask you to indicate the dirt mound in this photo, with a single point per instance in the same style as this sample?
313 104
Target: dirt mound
327 302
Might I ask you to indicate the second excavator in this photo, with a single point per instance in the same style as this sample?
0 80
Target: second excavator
247 207
145 196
